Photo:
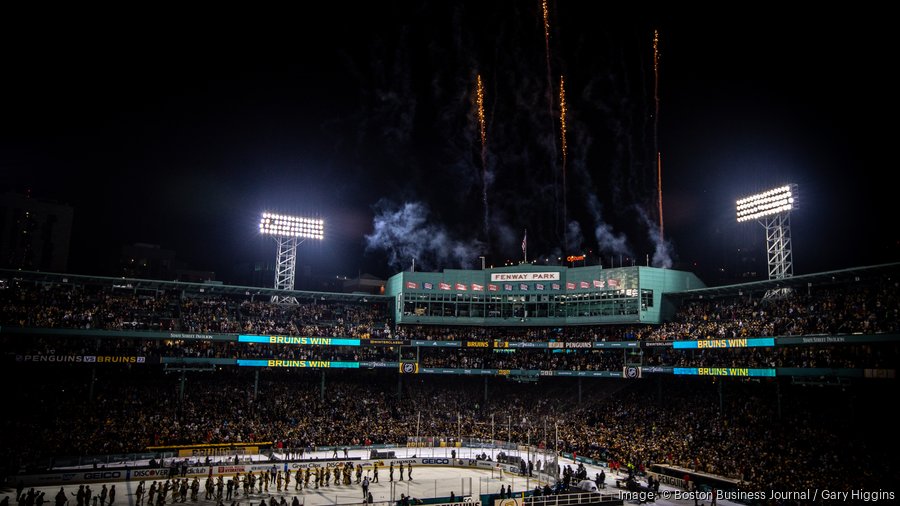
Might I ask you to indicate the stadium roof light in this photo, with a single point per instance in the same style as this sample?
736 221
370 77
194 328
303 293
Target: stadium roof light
281 225
767 203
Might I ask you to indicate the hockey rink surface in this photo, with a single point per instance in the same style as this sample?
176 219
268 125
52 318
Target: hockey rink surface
427 482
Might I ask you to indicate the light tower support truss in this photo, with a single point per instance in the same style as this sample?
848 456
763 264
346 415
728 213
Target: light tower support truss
772 209
778 250
289 232
285 268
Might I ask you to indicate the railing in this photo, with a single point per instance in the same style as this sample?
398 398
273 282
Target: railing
571 499
668 474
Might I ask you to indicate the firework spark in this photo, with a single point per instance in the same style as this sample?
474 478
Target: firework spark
546 11
563 110
562 120
479 98
545 8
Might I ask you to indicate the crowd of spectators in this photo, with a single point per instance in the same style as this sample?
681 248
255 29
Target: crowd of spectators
770 434
109 308
812 437
765 434
57 306
864 307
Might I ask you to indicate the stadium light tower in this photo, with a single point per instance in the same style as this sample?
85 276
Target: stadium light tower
772 209
289 232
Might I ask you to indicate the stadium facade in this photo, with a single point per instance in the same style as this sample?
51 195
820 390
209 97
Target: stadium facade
537 295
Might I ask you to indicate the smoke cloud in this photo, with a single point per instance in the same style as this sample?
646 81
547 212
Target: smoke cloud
574 237
662 249
404 233
607 240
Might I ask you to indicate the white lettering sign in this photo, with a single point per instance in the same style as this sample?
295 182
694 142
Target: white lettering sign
525 276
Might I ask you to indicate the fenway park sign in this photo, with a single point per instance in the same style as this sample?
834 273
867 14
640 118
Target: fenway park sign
525 276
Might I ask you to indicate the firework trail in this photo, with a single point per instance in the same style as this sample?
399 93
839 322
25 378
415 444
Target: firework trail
562 121
656 130
659 188
565 147
479 97
545 8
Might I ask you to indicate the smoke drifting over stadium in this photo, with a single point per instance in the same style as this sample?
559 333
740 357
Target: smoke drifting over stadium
482 141
406 235
485 119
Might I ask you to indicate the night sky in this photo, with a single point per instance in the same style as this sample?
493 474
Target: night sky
179 129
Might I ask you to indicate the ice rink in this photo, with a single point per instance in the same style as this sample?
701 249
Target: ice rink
427 482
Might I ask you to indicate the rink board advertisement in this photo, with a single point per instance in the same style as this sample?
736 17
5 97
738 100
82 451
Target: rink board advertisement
75 477
217 451
163 472
114 475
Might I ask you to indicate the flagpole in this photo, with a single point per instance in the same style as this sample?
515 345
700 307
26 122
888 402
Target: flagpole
525 245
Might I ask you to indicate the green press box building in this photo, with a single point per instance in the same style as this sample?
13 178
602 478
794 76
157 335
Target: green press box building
532 295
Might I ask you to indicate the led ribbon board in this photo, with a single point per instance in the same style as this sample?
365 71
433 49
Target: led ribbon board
300 341
725 343
722 371
310 364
